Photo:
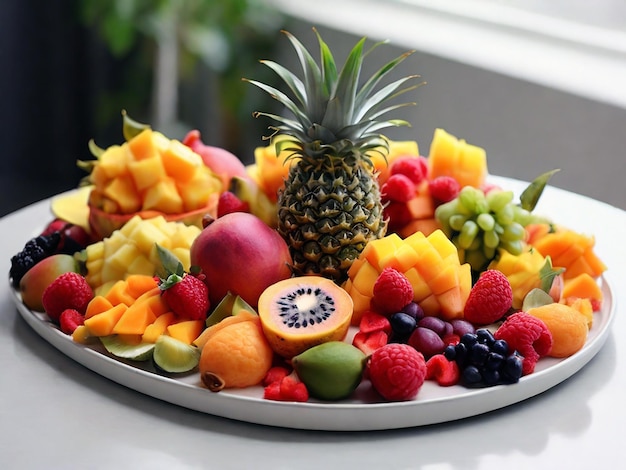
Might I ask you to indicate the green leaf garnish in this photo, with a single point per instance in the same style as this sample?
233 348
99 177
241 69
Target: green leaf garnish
531 195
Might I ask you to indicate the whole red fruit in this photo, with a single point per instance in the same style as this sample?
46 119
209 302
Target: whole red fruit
241 254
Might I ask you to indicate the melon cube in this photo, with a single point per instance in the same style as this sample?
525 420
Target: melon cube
134 320
421 290
163 197
158 327
365 279
113 162
200 190
147 172
103 323
180 162
142 146
122 190
186 331
443 245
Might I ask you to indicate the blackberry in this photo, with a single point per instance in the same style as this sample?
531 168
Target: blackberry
34 251
485 361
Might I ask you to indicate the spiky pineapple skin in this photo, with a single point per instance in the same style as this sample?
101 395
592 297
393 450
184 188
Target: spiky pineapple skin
329 210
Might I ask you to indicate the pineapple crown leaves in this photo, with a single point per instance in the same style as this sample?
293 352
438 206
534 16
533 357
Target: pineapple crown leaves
328 106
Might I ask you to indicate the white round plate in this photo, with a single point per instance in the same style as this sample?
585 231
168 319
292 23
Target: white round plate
363 412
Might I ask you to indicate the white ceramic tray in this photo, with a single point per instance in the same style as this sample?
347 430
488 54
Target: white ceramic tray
363 412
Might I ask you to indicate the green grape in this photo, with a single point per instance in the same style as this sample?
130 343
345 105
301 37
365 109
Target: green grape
498 199
491 239
482 206
456 221
486 222
447 210
522 215
468 198
505 215
513 247
468 233
489 252
512 232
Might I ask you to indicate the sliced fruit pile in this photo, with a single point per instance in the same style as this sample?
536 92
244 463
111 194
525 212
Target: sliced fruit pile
339 260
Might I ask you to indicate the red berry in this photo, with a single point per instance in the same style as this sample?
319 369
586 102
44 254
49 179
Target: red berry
70 319
288 388
398 188
372 321
490 298
69 290
413 167
368 342
229 202
392 291
188 298
397 371
443 189
442 370
397 215
275 374
527 335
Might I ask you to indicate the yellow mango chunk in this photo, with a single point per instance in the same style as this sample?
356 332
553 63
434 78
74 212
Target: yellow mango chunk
142 146
102 324
97 305
158 327
180 162
163 197
122 190
186 331
147 172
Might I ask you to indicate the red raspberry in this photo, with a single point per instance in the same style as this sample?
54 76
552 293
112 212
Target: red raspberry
398 188
443 189
397 371
413 167
490 298
397 215
229 202
529 336
392 291
69 290
445 372
70 319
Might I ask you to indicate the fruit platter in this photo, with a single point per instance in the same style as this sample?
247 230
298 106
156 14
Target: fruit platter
343 281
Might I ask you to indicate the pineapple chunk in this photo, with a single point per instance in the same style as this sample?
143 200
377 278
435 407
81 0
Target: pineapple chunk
147 172
143 146
163 197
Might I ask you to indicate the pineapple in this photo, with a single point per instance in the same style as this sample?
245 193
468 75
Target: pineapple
330 207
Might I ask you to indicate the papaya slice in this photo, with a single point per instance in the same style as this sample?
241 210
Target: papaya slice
301 312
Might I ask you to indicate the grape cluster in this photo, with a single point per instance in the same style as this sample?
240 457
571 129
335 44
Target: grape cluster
480 224
34 251
429 335
484 360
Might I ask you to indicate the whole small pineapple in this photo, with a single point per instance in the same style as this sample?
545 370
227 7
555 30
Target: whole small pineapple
330 206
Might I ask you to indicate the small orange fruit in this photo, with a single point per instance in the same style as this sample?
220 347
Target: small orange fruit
236 356
568 327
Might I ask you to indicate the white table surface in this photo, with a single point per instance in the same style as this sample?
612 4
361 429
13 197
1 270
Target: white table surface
56 414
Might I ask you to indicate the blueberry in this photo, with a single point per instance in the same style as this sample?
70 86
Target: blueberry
402 323
491 377
478 354
485 336
450 352
494 361
501 347
460 354
471 375
469 339
512 368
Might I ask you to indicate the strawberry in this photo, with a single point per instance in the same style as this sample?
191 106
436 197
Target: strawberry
445 372
285 388
69 290
368 342
490 298
372 321
186 294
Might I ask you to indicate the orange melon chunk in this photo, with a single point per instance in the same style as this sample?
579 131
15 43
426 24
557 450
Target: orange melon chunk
137 284
134 320
158 327
97 305
103 323
118 294
186 331
582 286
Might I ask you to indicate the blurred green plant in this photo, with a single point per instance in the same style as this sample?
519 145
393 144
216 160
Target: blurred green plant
227 36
